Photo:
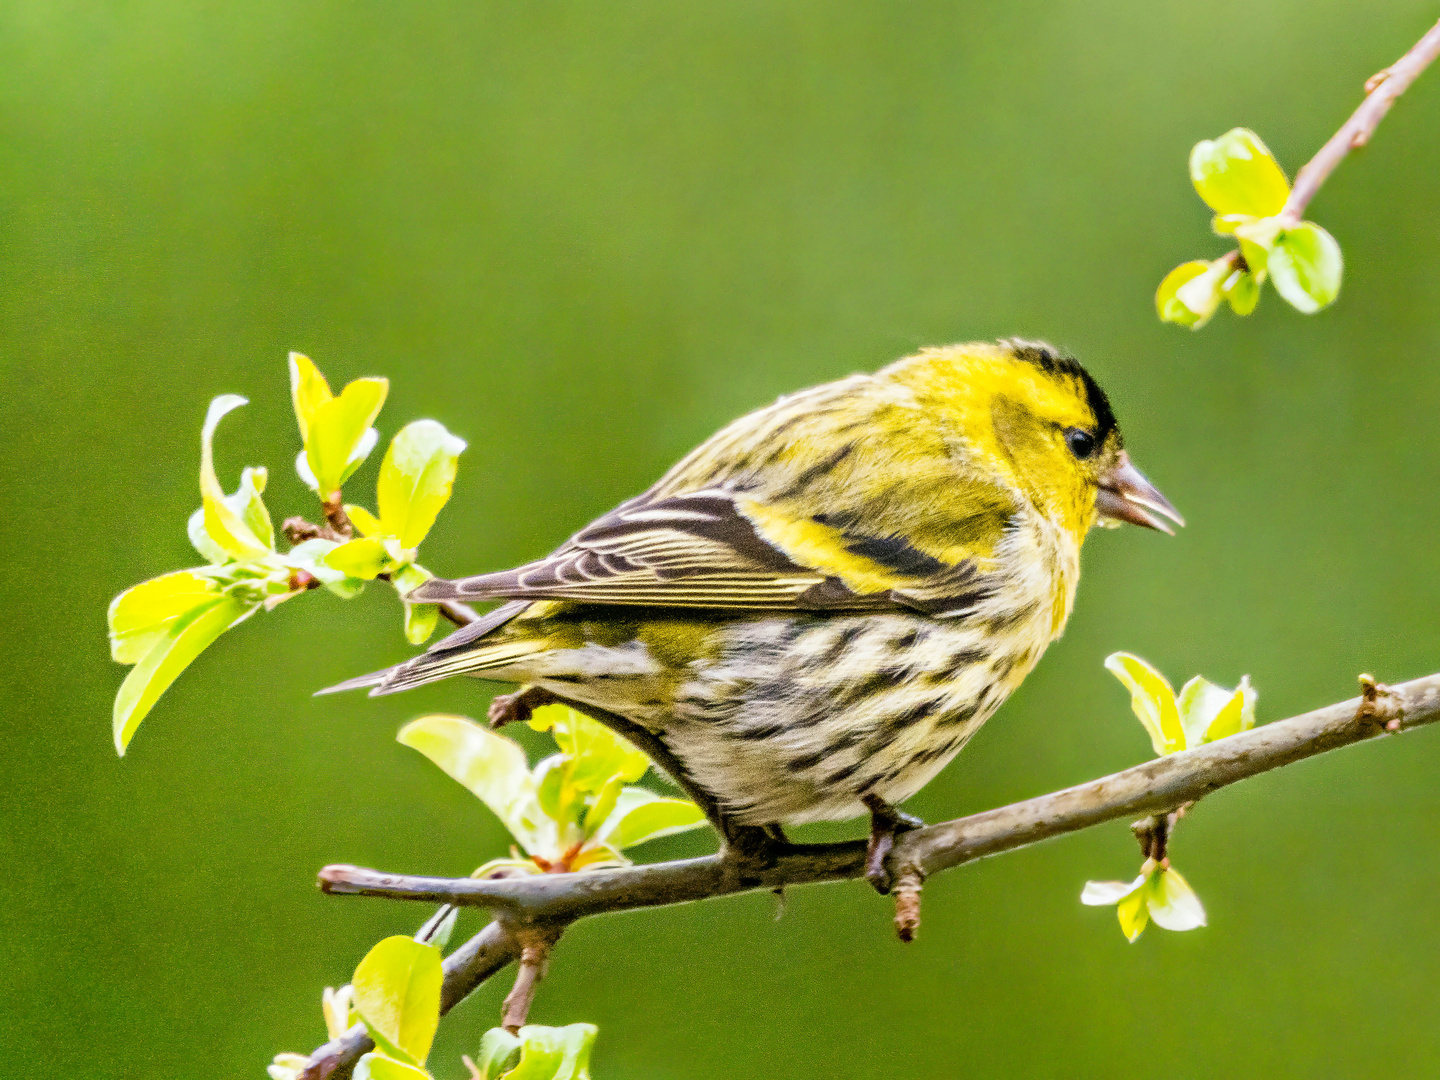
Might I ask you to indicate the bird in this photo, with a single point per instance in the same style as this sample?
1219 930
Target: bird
810 614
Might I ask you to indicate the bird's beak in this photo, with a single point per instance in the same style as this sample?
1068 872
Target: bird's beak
1125 495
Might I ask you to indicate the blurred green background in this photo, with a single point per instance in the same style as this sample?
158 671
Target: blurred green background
584 236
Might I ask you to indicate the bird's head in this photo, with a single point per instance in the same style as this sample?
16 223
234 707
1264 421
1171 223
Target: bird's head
1033 419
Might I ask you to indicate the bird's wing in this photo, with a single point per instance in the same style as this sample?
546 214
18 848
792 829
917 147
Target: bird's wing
719 549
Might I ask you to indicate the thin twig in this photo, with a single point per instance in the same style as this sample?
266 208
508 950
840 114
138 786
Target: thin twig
1156 787
535 946
1381 91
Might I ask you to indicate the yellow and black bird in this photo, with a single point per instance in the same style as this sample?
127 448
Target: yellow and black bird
809 616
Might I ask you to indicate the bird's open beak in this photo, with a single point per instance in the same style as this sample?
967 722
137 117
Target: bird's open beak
1125 495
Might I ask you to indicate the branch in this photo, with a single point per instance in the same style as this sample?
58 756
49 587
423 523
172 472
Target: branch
1159 787
1381 91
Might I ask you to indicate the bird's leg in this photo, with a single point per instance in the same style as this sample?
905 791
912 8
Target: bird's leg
886 823
517 708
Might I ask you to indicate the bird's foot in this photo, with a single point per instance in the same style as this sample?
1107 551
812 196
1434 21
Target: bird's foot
518 707
886 823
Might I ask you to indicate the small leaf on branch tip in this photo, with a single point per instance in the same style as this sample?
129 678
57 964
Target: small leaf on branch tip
1172 903
187 637
365 558
550 1053
1242 290
420 622
1105 893
141 615
335 1007
598 753
287 1066
1257 237
604 805
1202 294
1133 913
1152 699
336 438
499 1053
366 523
227 525
408 577
416 478
1237 174
397 994
308 391
491 766
1306 266
381 1067
1236 715
1167 303
641 815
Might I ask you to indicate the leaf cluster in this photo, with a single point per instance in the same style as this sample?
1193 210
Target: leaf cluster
160 626
1238 178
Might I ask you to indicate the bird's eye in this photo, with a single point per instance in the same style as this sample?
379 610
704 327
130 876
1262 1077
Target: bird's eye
1081 442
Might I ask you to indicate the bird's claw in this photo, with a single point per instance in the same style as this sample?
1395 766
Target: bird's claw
517 708
886 823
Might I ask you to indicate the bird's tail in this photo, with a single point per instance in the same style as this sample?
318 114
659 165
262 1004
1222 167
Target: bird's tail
464 652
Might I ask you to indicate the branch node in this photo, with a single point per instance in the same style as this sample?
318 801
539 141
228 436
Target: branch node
1379 706
535 946
907 902
1373 83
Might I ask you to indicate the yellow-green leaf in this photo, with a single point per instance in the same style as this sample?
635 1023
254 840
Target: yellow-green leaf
365 558
499 1053
1242 290
1132 912
140 616
1306 266
1237 174
1237 714
415 480
420 621
641 815
308 391
397 994
1172 903
1152 698
1167 303
380 1067
549 1053
366 523
225 526
597 752
492 767
187 637
337 432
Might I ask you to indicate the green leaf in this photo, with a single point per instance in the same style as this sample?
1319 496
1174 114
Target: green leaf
187 637
1167 302
410 576
1306 267
1104 893
366 523
549 1053
308 391
1132 912
1257 238
415 480
365 558
287 1066
1242 290
491 766
420 621
336 440
499 1053
228 527
1152 699
209 550
380 1067
1172 902
604 805
550 788
140 616
1237 715
1200 701
641 815
1237 174
598 752
397 994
